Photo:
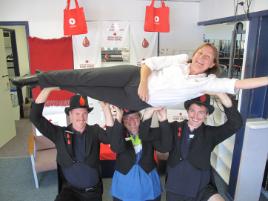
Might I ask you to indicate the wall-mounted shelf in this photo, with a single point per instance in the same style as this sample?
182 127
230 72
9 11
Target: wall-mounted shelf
221 157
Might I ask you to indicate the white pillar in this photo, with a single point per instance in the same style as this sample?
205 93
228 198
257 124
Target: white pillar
253 160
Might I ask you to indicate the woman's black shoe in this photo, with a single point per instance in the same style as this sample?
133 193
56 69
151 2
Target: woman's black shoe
30 80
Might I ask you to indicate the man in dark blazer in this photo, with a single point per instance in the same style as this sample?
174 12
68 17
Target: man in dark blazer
78 147
189 175
135 176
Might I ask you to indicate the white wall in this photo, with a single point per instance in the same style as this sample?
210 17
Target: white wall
46 18
214 9
185 35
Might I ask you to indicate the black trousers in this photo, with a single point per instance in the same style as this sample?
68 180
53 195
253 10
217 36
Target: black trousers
117 85
203 195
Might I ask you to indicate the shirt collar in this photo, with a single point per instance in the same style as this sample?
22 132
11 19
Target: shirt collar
70 128
187 72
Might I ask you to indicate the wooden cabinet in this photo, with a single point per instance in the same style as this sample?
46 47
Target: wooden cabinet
221 157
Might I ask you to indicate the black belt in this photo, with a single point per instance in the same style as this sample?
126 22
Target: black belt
89 189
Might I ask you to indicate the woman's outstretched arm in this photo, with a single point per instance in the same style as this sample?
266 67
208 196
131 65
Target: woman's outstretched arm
251 83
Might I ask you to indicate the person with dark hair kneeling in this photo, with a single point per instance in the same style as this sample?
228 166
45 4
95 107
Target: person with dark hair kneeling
189 172
135 176
78 147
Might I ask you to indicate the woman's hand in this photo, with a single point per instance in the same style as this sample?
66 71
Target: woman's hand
143 91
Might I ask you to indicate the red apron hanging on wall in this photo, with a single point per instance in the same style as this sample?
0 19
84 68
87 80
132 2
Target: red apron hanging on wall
74 20
157 19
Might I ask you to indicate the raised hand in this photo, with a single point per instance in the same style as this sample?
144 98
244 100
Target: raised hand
148 112
104 105
43 95
119 113
109 121
225 99
161 114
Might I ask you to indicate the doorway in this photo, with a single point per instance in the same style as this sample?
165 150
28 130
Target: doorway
17 58
7 125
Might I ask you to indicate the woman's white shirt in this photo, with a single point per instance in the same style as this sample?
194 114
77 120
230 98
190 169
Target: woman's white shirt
170 84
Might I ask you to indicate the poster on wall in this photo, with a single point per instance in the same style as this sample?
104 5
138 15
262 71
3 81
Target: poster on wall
142 44
87 47
115 42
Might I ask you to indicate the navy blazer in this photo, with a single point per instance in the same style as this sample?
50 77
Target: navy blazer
205 139
126 156
60 136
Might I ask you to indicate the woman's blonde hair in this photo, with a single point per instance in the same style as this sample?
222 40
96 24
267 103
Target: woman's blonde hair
215 69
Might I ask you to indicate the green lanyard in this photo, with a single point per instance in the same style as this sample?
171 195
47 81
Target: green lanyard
135 140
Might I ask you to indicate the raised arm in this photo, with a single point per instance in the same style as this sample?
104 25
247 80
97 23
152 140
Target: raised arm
146 124
119 114
225 99
251 83
109 121
43 95
118 143
40 122
164 144
105 134
233 123
155 135
143 85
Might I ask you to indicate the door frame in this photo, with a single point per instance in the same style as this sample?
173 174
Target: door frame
14 47
7 125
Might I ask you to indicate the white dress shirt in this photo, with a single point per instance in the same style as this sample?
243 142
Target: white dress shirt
170 84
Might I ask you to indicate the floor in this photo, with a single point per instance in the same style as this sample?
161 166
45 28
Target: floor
18 146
